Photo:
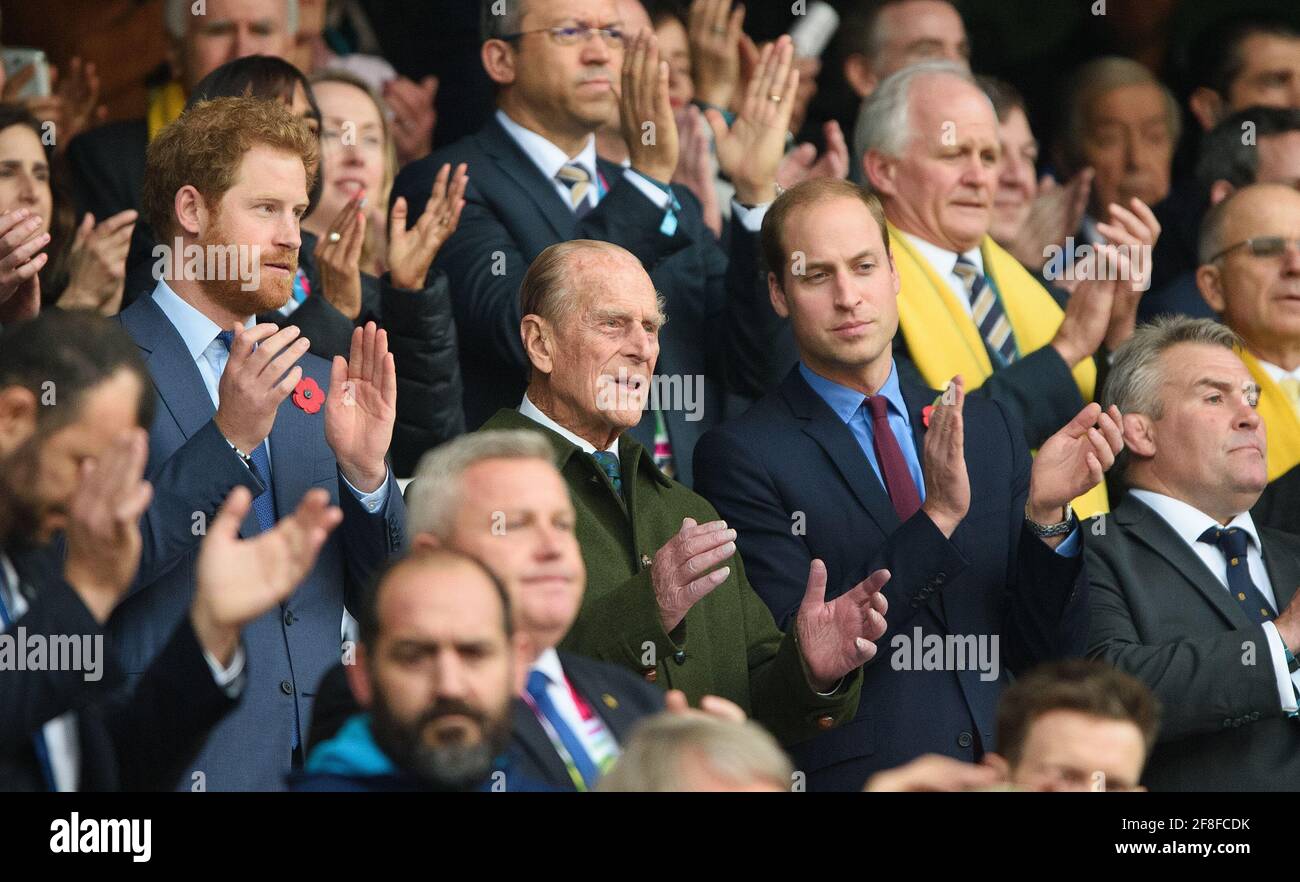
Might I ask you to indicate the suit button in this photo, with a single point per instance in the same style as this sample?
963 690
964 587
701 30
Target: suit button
825 721
651 674
286 687
1255 715
680 656
288 617
1227 723
964 739
646 561
939 577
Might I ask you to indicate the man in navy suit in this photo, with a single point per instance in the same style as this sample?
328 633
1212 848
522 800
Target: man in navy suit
244 405
535 180
845 464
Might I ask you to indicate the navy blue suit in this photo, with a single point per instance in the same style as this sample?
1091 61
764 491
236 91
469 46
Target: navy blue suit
193 468
791 455
721 325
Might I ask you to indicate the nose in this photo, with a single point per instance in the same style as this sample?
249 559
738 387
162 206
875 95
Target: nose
1291 258
1248 417
449 675
548 545
643 345
847 297
289 233
26 189
594 50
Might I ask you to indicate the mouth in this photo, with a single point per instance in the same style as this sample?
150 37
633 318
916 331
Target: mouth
551 580
599 84
279 267
851 329
351 185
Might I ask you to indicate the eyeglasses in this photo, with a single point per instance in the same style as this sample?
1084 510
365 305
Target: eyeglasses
1262 246
571 35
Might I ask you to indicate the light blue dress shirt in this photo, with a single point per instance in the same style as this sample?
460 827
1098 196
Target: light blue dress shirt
199 333
850 406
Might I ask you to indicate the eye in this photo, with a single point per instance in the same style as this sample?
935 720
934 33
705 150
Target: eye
866 266
1215 398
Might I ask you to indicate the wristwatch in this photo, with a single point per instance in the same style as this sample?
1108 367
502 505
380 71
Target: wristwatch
1047 531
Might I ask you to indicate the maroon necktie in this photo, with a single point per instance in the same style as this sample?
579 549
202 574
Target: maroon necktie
889 456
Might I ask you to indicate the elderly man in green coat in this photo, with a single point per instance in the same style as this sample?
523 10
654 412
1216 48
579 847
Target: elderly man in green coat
666 592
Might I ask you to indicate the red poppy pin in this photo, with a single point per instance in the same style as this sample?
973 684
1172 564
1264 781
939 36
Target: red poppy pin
308 395
925 414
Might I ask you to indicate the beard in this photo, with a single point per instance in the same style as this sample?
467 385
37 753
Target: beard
450 767
229 287
23 510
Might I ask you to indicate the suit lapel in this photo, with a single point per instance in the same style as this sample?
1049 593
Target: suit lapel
175 375
824 426
295 438
520 168
1283 572
1151 530
613 712
531 739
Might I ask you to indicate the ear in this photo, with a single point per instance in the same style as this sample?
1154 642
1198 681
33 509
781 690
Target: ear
539 342
425 542
777 295
358 674
859 75
1209 280
1139 434
880 171
191 212
498 59
1206 105
17 417
1220 190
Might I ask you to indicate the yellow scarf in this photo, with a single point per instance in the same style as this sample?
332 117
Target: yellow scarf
1280 420
165 106
942 339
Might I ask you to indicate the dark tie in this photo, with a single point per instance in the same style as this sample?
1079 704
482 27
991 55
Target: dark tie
987 311
38 737
264 503
575 177
889 456
1232 542
608 463
577 759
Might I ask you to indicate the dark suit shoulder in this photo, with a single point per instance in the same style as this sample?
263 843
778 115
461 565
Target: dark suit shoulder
615 679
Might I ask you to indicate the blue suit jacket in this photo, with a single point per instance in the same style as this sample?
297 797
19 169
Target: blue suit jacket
193 468
721 325
791 454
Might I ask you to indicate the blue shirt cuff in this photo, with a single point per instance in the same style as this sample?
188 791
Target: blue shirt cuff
1069 547
373 501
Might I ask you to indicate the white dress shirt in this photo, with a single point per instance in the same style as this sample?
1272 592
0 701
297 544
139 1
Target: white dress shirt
528 409
61 732
942 261
1189 523
595 736
1279 374
549 159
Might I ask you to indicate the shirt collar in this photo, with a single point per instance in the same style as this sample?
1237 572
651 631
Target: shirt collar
549 664
196 329
1190 522
942 259
1276 372
545 155
530 410
846 402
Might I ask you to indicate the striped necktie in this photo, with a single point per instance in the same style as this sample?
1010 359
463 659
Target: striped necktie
987 311
575 177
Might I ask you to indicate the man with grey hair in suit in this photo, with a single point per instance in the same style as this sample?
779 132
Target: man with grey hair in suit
1187 593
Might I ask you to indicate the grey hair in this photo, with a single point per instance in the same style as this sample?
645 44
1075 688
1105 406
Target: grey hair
1210 241
1095 79
493 26
652 759
177 17
885 120
1137 373
434 495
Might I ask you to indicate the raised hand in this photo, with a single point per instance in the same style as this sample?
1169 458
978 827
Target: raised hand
255 380
935 773
750 151
21 259
1073 461
410 252
644 99
710 706
803 163
1089 309
238 580
414 116
103 532
714 30
338 254
695 166
947 483
1056 212
361 408
838 636
1136 233
98 275
683 569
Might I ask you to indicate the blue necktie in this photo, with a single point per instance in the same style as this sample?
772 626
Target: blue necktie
38 737
264 506
264 503
537 683
987 311
608 463
1232 542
